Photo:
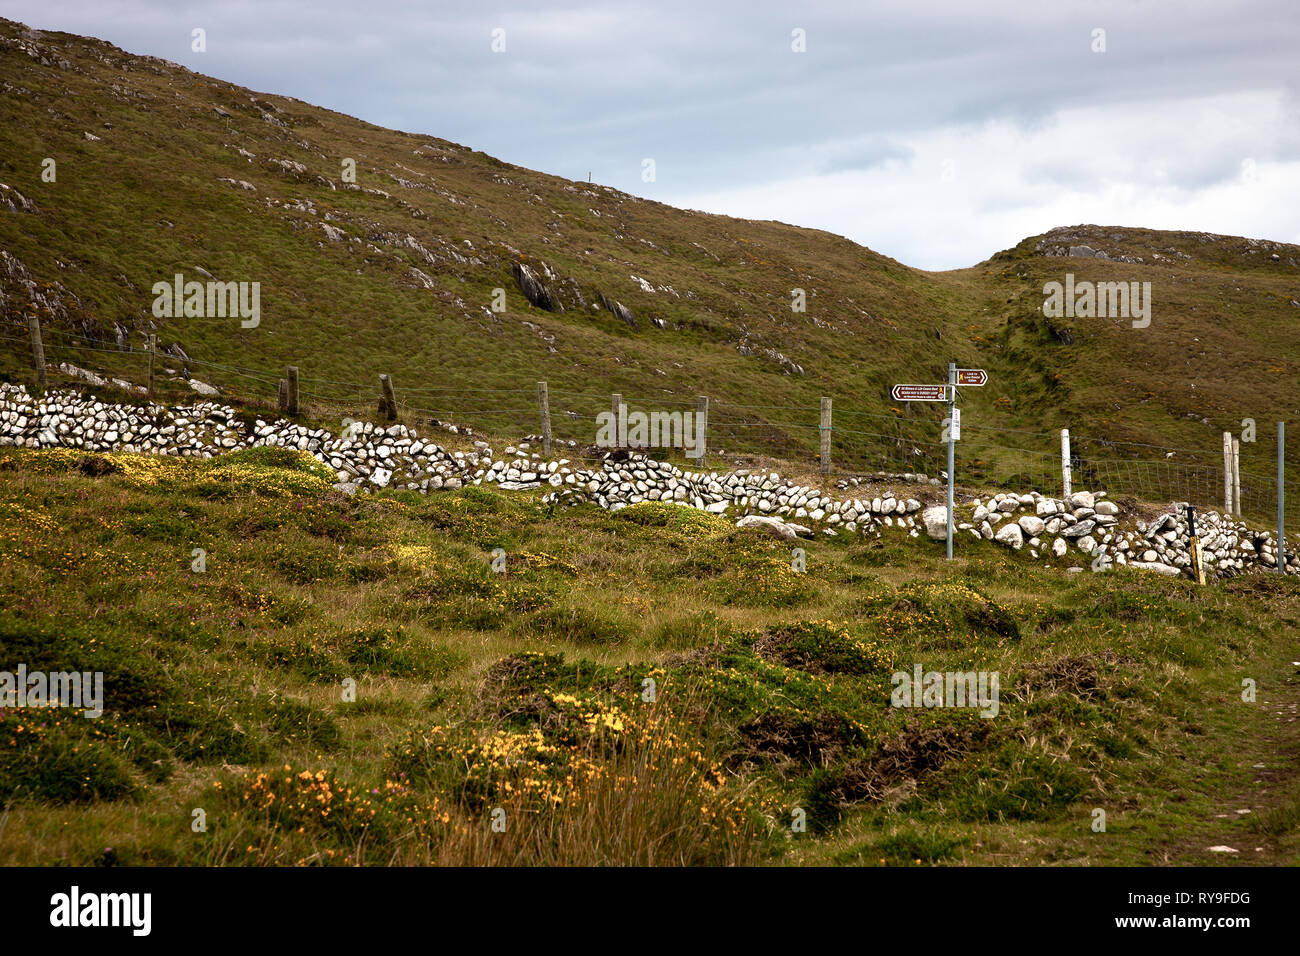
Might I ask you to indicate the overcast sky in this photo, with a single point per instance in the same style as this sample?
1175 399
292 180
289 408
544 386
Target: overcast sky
934 131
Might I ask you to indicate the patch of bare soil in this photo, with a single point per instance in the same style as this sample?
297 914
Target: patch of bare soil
1082 675
804 740
913 752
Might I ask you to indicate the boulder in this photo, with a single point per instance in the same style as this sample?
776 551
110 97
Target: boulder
1011 536
1155 566
1031 525
534 290
773 526
935 519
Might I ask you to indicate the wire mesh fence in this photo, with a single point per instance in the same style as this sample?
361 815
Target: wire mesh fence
863 441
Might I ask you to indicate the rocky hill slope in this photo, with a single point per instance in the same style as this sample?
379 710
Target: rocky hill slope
468 280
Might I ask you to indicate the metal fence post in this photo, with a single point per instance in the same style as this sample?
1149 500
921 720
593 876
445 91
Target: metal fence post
952 450
1281 496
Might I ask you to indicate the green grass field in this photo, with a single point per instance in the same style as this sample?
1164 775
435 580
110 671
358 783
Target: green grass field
349 681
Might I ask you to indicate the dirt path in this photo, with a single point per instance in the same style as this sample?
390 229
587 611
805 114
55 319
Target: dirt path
1269 833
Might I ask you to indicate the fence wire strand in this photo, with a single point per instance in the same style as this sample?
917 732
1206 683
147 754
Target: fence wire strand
890 441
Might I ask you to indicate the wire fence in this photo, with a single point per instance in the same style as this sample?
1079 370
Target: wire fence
863 441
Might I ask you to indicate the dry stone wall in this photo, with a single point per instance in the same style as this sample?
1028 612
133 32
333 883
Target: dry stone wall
1085 530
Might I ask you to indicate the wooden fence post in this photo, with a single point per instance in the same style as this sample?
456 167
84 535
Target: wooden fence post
38 351
702 428
616 400
284 396
1227 473
825 429
291 376
1066 476
388 400
1236 476
544 401
153 347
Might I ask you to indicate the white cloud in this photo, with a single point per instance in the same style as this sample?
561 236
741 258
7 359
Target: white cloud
1163 165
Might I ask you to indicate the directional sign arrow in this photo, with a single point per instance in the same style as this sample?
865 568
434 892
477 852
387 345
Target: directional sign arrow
919 393
972 376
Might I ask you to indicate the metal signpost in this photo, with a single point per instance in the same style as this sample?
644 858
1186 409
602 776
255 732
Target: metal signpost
952 447
1281 496
975 377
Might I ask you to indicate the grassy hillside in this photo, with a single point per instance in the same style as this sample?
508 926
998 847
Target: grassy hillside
160 170
147 199
648 686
